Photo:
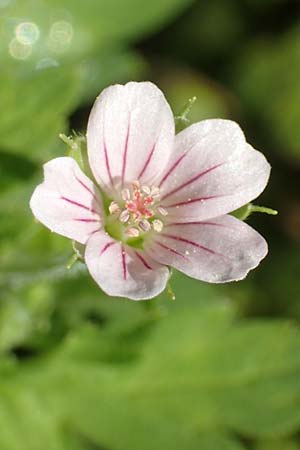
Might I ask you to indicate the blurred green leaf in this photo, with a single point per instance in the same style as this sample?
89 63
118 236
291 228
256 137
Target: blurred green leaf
27 424
281 444
36 106
117 66
180 84
268 81
71 29
187 389
208 32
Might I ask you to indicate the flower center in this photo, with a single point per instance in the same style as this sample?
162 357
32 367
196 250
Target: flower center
138 211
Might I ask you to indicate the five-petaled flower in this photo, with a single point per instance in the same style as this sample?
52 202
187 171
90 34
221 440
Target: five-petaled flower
162 200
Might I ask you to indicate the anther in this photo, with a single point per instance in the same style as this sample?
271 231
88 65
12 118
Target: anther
146 190
124 216
132 232
155 192
144 225
162 211
157 225
135 185
114 208
125 194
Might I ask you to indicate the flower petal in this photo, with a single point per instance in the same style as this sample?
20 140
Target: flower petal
212 171
219 250
123 271
67 201
130 134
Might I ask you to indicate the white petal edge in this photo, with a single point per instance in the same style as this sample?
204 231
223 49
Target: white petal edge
67 202
123 271
217 251
212 172
130 135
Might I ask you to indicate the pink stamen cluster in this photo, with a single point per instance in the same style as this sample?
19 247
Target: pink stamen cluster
139 210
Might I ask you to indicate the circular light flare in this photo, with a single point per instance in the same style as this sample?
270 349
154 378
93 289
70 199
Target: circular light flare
27 33
18 50
60 36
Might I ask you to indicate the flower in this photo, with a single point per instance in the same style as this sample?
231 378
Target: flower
163 199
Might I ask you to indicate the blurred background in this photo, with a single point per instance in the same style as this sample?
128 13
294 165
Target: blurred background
219 367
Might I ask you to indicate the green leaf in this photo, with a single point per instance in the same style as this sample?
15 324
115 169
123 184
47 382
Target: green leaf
28 423
268 67
36 106
79 28
114 66
180 84
201 374
280 444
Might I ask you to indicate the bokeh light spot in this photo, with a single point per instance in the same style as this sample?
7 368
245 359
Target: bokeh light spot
18 50
61 35
27 33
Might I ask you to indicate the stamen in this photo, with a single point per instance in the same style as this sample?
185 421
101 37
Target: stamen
135 185
124 216
157 225
125 194
139 209
155 192
132 232
162 211
146 190
114 208
145 225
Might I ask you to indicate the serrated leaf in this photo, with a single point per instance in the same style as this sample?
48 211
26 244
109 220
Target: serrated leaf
201 374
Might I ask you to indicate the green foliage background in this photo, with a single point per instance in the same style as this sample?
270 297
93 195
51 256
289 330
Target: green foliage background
217 369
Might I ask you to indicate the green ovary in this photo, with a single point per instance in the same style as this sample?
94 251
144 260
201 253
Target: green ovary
117 231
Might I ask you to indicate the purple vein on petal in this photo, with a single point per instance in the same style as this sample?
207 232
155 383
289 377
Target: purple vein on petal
172 250
191 180
147 161
143 261
86 188
193 243
173 224
194 200
106 247
86 220
123 256
172 168
125 153
80 205
107 165
94 232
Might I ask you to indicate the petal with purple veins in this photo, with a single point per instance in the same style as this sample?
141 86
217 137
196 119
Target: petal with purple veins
217 250
123 271
67 201
212 171
130 135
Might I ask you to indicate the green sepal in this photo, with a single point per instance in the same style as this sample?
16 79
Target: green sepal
77 255
182 120
77 149
245 211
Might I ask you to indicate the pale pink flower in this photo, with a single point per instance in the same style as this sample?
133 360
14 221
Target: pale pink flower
163 200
